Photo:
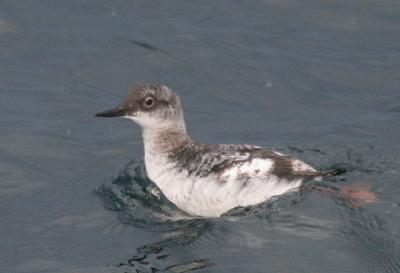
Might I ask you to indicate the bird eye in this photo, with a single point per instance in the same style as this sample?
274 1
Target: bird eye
148 102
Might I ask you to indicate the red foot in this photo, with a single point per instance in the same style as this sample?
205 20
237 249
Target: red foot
358 195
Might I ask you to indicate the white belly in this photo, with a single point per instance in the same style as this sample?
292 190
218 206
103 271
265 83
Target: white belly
209 196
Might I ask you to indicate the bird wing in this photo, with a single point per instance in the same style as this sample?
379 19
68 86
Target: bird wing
241 162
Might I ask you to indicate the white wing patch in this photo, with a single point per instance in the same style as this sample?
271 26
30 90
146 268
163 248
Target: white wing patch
254 168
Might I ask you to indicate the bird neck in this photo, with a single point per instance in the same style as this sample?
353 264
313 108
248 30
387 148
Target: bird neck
164 139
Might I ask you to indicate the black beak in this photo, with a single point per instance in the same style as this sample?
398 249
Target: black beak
116 112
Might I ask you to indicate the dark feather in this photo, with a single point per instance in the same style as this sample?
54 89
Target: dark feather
204 159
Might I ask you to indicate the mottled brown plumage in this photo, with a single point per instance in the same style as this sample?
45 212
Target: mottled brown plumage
204 179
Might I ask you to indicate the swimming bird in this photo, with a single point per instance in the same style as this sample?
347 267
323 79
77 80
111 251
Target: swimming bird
204 179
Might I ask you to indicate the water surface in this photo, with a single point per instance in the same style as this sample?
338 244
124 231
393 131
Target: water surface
319 80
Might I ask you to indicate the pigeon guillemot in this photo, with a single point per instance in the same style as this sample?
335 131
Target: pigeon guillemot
204 179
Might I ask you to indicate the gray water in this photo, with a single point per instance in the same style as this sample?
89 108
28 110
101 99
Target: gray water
316 79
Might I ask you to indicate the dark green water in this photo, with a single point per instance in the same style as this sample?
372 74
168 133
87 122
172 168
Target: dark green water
316 79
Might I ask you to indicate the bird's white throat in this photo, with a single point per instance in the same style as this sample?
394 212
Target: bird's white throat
161 136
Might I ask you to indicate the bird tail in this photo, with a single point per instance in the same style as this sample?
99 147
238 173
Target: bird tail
322 173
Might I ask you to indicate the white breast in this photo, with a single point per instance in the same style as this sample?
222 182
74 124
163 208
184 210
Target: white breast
240 185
